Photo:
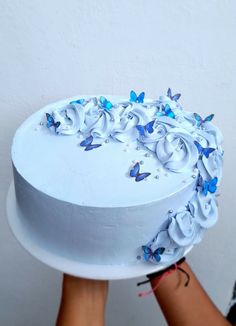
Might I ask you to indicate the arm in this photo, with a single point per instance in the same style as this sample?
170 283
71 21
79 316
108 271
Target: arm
186 306
83 302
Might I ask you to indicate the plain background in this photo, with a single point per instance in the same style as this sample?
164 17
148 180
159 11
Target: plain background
55 49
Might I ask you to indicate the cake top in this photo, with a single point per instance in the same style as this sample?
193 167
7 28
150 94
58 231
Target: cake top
107 151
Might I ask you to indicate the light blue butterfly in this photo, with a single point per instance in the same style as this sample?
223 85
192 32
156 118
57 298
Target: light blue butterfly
80 101
166 111
105 104
210 186
200 120
137 98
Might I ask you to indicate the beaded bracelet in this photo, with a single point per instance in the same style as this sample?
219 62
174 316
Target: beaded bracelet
163 273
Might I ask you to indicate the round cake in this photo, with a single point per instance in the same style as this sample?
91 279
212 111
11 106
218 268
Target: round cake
116 182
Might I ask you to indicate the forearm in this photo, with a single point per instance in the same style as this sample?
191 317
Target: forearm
82 302
186 306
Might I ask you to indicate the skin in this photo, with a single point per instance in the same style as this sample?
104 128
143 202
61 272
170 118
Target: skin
186 306
83 301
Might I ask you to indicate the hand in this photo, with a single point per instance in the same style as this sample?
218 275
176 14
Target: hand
186 305
83 302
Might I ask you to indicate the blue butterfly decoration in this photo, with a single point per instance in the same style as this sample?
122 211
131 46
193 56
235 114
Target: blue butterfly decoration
81 101
87 143
166 111
148 253
51 122
148 127
173 97
137 98
104 103
134 173
200 120
210 186
204 151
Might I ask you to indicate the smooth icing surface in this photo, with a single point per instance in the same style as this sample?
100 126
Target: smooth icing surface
85 203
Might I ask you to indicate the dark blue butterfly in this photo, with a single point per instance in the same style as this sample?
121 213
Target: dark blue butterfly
173 97
87 143
51 122
200 121
148 127
135 98
204 151
134 172
105 104
148 253
210 186
81 101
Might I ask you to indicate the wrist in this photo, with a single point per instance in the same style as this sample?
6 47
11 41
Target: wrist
165 276
83 301
86 289
172 278
169 270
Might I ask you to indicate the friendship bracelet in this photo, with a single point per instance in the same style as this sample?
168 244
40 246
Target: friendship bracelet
163 273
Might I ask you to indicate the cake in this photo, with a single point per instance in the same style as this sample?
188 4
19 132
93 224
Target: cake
117 181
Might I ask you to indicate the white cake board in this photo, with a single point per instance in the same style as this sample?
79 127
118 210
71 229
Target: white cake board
68 266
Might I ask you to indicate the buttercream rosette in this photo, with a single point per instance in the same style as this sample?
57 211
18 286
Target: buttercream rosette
184 229
71 118
177 151
125 129
204 209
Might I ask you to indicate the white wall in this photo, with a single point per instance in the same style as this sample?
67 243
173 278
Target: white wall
56 49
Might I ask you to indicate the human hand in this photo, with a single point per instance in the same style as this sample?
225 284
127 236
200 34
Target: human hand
183 300
83 302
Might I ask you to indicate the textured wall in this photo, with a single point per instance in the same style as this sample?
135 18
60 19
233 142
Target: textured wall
55 49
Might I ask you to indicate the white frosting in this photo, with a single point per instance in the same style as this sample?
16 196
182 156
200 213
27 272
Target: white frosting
90 234
172 251
125 130
212 166
184 230
215 132
204 209
98 213
71 118
177 151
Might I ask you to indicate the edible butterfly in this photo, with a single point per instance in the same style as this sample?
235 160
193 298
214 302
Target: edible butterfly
204 151
148 253
137 98
51 122
80 101
134 172
166 111
210 186
104 103
174 97
87 143
148 127
200 121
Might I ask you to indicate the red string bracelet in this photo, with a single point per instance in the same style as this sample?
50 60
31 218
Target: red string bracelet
162 274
